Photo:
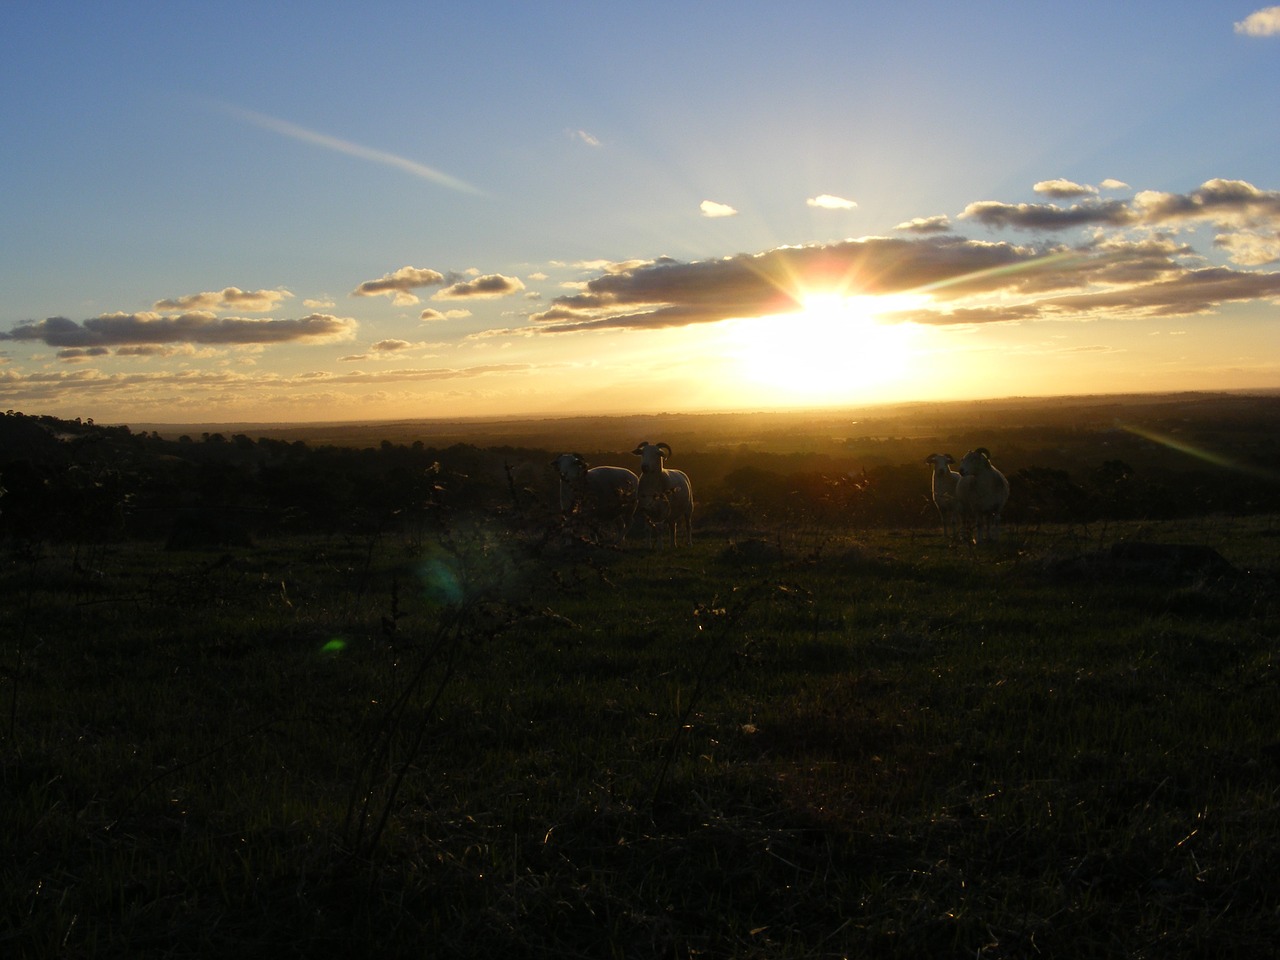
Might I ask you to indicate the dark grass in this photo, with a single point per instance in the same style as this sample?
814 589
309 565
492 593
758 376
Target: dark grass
823 746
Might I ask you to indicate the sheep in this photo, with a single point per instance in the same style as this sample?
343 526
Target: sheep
944 493
599 494
666 496
982 493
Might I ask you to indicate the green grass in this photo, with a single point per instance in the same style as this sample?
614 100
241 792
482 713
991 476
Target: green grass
871 746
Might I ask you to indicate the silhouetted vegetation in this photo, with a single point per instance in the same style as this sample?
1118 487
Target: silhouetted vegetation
267 696
1130 460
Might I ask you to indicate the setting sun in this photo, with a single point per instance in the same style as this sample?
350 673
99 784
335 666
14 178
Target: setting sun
835 348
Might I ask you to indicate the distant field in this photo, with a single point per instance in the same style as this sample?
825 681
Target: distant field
793 741
814 431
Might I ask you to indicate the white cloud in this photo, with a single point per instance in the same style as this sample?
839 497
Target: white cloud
1063 188
711 208
1260 23
431 314
826 201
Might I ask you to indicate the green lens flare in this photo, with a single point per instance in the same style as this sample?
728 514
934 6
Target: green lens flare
440 580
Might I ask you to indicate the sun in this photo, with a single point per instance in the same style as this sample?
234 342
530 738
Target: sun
836 348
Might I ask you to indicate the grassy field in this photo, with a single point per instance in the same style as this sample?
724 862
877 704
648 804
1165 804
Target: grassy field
799 744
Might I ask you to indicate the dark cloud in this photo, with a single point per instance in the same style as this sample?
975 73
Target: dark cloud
76 354
126 329
1226 202
1193 291
1030 281
938 224
677 294
493 285
1047 216
398 284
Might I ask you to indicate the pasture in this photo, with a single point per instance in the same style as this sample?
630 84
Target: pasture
459 740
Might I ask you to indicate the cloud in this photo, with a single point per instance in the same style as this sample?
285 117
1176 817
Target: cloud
81 354
826 201
967 281
230 298
1260 23
288 129
613 266
390 346
676 294
1112 184
1044 216
1192 291
131 329
938 224
324 303
1250 249
1224 202
398 284
1234 204
147 350
195 388
583 137
488 287
430 314
711 208
1063 188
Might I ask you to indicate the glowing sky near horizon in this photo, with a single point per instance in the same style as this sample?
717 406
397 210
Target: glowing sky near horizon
336 211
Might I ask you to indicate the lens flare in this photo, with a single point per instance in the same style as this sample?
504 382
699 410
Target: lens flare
440 580
1200 453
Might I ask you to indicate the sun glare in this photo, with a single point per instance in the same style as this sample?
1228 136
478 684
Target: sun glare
836 348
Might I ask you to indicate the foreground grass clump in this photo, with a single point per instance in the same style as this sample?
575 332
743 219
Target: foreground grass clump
474 745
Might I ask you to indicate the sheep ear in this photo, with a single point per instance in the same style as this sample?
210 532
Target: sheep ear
950 458
580 458
640 449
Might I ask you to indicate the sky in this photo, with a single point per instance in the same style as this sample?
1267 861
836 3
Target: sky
294 212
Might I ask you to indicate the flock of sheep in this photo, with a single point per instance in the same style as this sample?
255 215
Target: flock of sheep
614 494
969 501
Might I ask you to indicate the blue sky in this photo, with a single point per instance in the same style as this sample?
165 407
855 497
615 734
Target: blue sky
332 211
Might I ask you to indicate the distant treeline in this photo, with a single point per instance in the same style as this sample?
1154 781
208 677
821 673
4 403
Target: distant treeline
75 480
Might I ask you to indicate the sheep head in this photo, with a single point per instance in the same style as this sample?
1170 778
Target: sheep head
651 456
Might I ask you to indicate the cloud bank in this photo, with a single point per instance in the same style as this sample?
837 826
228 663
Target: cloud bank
133 329
1138 269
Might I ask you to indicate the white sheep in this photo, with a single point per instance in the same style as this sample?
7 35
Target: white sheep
945 481
666 496
982 493
598 494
